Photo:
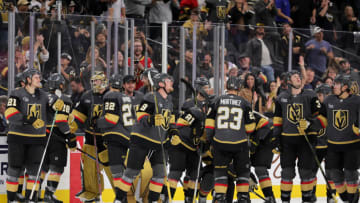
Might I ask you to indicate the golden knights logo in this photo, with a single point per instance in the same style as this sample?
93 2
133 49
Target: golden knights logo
221 12
97 110
34 110
165 124
354 89
340 119
295 112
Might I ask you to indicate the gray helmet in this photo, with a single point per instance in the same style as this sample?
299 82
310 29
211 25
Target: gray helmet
323 89
161 77
18 79
343 80
201 82
55 80
153 72
116 81
232 83
29 73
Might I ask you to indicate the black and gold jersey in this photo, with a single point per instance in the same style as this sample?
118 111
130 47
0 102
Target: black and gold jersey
290 109
229 120
61 125
22 105
343 124
144 128
117 118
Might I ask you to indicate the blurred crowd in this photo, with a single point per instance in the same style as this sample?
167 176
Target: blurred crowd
257 32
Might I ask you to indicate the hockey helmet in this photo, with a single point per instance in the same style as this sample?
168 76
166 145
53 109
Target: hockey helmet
29 73
343 80
232 83
200 82
55 80
98 75
161 77
18 79
152 71
116 81
323 89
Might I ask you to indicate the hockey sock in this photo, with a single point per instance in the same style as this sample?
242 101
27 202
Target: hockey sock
286 187
266 187
29 185
307 187
11 188
21 184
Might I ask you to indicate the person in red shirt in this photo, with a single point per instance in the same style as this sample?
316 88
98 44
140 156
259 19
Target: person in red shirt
139 62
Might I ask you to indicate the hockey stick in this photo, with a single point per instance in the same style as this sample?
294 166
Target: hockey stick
316 159
96 152
193 91
257 194
43 156
161 141
80 150
197 172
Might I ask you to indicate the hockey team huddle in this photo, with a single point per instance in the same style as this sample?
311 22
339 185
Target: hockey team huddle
215 140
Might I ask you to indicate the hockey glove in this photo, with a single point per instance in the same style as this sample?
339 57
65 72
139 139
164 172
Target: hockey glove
276 144
34 121
58 105
174 136
71 141
253 146
303 125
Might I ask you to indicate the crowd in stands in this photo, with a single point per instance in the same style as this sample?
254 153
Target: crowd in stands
256 32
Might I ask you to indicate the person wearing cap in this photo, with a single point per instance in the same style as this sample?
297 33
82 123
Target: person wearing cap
258 49
21 16
318 51
346 69
206 68
129 84
202 28
297 48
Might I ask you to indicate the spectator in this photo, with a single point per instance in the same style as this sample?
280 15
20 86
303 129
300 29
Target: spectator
77 89
160 11
206 68
186 6
302 13
22 18
310 76
244 64
66 70
350 24
202 29
217 10
329 81
80 41
41 54
117 10
317 52
325 19
248 92
265 12
259 53
239 17
101 41
85 67
120 63
233 71
139 62
20 61
331 72
297 50
283 9
3 124
136 10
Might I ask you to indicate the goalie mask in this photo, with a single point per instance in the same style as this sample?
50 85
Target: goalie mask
98 81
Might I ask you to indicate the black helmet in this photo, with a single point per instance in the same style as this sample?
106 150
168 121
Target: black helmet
152 71
18 79
161 77
343 80
291 73
232 83
116 81
201 82
29 72
55 80
323 89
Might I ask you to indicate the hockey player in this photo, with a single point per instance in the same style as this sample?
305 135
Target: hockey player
26 113
115 123
183 153
56 154
129 84
144 78
322 91
149 136
262 156
228 124
343 138
296 115
86 113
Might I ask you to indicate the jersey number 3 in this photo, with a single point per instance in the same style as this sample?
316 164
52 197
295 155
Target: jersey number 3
223 120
